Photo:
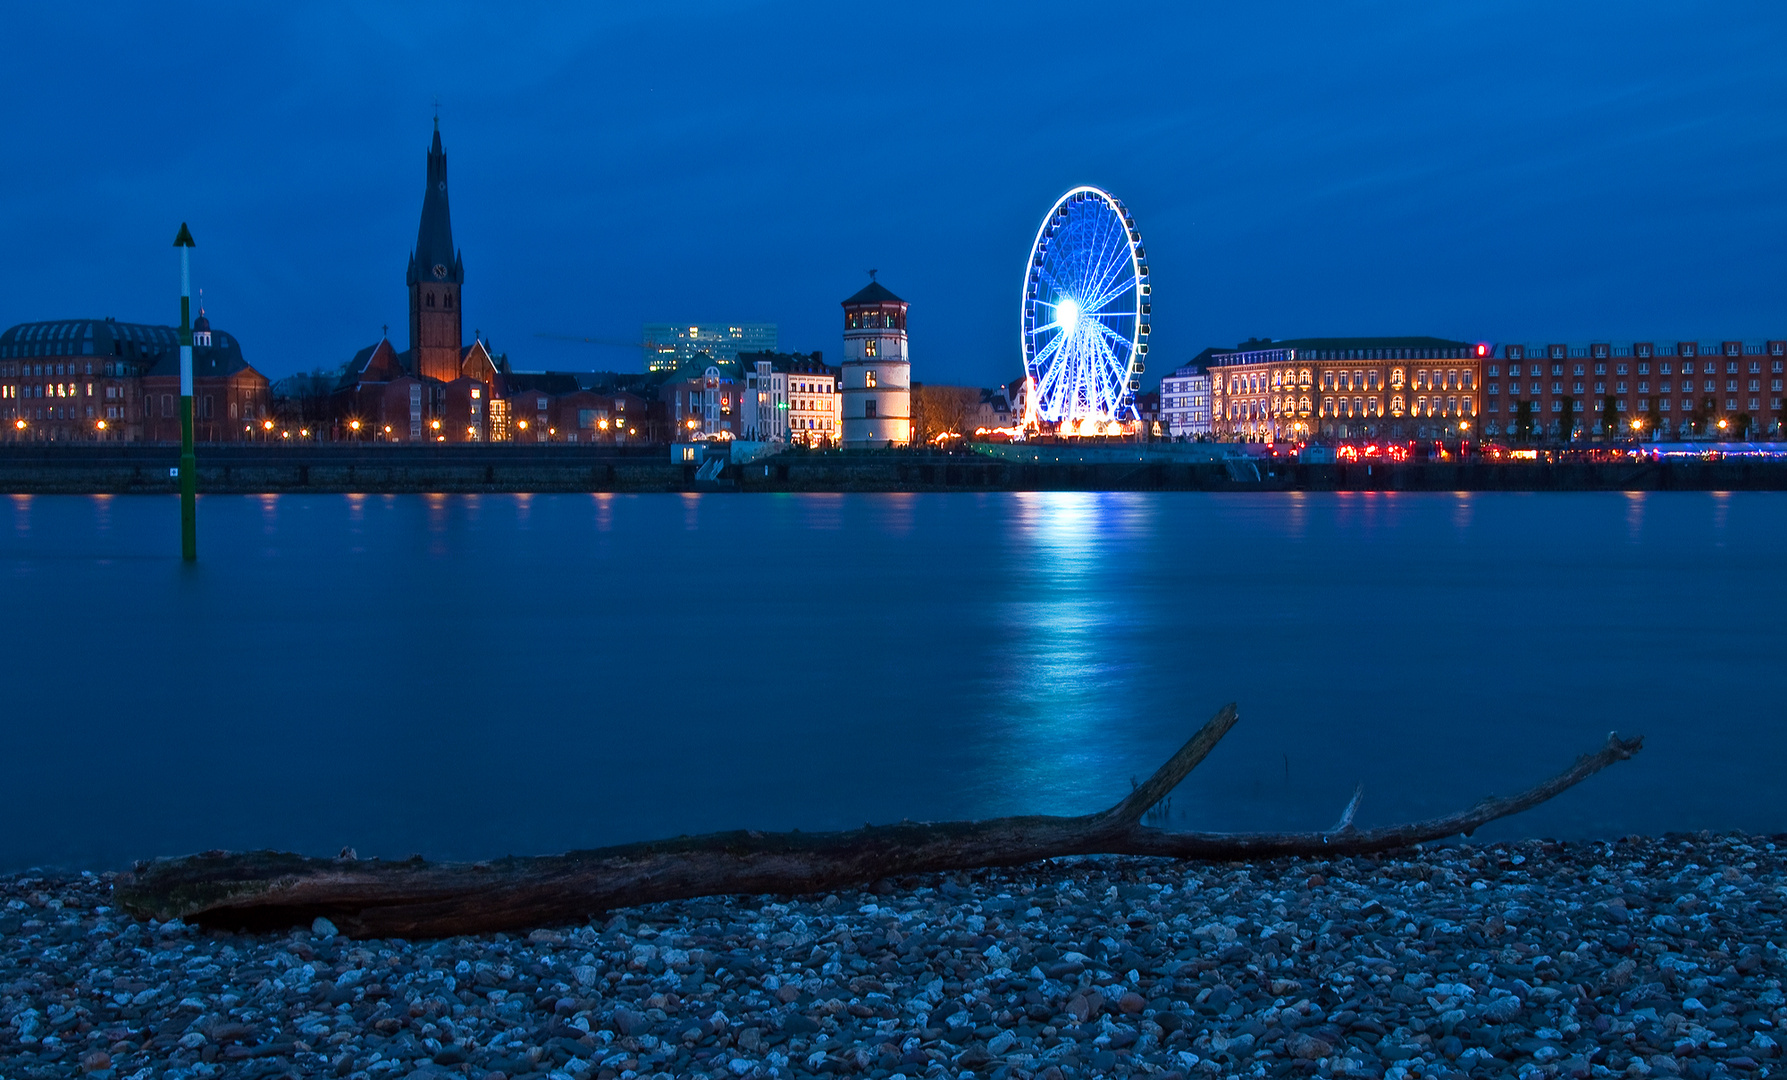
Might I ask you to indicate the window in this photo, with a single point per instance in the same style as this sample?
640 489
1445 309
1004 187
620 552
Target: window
868 408
868 347
167 406
868 378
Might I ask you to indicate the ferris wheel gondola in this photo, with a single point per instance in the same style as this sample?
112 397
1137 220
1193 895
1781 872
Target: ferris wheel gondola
1086 307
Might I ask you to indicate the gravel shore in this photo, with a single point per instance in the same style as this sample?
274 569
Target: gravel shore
1640 956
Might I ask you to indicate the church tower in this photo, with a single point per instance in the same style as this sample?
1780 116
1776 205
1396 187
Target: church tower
434 278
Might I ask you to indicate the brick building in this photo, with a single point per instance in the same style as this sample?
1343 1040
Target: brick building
100 380
1650 389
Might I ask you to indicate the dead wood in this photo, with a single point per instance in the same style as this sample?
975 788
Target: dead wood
373 898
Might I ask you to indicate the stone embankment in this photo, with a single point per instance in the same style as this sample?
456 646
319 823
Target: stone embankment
329 468
1532 960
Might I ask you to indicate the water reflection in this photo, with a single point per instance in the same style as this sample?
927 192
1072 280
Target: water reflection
1063 670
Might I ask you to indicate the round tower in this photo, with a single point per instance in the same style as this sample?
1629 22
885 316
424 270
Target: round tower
876 376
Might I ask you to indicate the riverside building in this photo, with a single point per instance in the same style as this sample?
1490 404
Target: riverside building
790 397
100 380
1185 402
876 375
1345 388
1651 389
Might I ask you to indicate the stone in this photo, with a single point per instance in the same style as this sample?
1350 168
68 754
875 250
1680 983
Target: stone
323 928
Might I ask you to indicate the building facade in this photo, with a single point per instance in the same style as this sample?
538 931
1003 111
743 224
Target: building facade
711 407
100 380
1348 388
790 397
1648 389
1185 403
669 346
876 375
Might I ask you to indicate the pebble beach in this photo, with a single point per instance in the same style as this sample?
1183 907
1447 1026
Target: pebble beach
1636 957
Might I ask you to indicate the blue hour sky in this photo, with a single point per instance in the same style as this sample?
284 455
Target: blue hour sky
1503 172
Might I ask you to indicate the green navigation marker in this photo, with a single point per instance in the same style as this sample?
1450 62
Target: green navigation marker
189 472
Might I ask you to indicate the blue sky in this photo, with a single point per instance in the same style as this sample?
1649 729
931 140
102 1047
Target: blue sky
1502 172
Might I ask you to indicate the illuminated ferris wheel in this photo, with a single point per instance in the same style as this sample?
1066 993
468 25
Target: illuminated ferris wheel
1085 321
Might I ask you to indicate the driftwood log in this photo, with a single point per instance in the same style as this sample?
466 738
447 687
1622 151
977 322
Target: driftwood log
374 898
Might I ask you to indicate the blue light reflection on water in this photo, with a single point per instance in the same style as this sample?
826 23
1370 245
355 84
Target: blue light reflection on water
472 675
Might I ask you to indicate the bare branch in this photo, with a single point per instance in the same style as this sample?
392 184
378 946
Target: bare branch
1352 807
1169 775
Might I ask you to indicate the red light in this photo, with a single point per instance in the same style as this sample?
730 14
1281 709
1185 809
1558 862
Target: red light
1482 350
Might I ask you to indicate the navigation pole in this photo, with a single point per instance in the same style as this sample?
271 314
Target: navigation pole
189 539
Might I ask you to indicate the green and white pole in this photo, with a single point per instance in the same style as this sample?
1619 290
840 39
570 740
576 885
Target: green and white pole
189 472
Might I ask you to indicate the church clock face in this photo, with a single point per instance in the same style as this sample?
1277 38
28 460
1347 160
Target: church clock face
440 272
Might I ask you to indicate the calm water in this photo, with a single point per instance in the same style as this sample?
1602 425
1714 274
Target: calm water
472 676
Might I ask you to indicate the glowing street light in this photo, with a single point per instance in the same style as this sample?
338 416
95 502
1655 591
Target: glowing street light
354 424
20 425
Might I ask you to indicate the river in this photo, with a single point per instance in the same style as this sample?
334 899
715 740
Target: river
470 676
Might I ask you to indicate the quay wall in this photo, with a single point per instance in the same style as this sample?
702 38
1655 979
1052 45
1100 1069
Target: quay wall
325 469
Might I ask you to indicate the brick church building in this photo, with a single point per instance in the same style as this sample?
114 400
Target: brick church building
439 389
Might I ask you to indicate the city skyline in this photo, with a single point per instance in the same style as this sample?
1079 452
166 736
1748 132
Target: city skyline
1521 175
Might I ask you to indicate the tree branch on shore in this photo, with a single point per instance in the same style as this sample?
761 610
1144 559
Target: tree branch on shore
373 898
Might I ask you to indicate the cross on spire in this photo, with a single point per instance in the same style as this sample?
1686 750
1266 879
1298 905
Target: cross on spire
872 275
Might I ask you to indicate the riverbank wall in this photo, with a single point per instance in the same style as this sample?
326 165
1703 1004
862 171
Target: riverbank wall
87 470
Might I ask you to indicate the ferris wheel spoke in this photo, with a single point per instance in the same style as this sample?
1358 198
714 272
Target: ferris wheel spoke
1110 294
1105 334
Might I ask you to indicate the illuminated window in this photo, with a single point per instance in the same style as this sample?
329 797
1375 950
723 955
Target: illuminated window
868 378
1396 383
868 347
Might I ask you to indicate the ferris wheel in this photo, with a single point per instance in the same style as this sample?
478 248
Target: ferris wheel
1085 318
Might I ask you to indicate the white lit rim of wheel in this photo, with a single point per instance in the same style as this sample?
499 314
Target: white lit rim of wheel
1085 316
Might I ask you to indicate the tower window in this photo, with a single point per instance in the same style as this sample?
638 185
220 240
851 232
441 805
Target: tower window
868 347
868 377
868 408
430 299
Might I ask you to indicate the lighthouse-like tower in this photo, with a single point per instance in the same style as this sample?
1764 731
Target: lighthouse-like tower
434 278
877 377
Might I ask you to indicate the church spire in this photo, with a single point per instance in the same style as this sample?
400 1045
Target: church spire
434 257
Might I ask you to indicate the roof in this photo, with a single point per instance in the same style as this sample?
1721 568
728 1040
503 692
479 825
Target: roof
434 257
544 382
1338 343
108 337
873 293
379 362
